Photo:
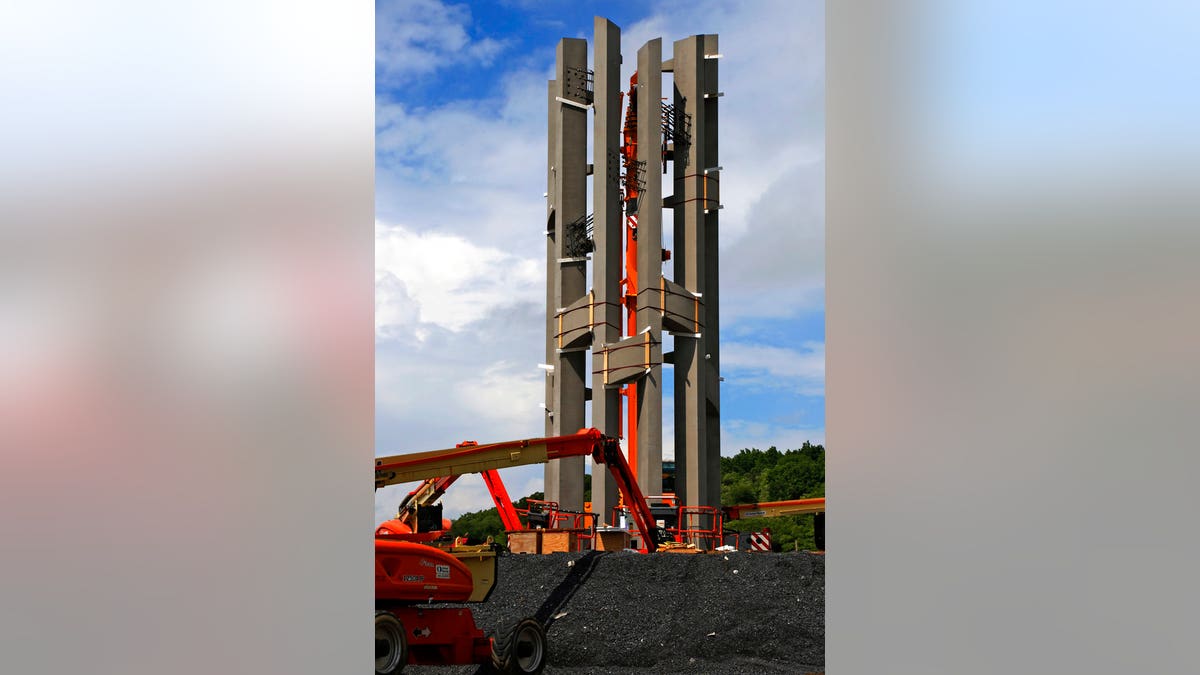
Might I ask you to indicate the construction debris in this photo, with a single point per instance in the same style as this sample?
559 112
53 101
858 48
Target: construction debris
615 612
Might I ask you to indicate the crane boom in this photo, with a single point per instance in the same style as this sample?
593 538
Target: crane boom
790 507
479 458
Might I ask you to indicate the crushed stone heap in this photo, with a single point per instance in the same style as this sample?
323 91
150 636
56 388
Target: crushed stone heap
621 612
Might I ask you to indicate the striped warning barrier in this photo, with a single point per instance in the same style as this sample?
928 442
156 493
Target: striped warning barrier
761 541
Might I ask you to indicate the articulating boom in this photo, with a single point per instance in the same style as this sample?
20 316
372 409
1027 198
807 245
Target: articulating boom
790 507
469 458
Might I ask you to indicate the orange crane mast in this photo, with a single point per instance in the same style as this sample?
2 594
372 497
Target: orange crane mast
630 282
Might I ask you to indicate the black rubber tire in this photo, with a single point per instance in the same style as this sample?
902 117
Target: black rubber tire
522 649
391 640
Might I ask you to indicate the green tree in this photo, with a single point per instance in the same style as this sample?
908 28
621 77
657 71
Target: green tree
754 475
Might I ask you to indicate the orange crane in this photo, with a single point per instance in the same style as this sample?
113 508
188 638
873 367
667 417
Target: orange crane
411 576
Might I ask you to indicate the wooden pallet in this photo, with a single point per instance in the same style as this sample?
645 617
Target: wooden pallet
525 541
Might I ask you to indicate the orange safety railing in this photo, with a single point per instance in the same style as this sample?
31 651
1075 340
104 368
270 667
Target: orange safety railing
700 525
548 515
540 513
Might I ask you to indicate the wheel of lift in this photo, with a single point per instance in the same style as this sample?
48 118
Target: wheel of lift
391 645
521 649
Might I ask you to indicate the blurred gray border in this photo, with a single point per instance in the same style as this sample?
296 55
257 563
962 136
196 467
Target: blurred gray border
1011 394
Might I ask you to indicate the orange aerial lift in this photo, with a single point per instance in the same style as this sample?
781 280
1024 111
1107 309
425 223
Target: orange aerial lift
790 507
412 518
411 576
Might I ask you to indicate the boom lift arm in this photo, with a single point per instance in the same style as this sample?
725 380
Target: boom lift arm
790 507
432 490
424 495
504 505
468 458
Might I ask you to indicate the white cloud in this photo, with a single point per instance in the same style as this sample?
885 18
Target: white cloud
802 370
777 268
416 37
395 309
443 279
504 390
476 169
772 146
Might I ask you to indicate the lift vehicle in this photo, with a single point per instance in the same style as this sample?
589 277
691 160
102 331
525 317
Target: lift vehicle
411 575
418 512
420 515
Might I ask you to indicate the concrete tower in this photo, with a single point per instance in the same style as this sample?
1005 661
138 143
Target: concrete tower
623 316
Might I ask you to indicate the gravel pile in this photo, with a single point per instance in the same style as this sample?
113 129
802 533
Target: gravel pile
626 612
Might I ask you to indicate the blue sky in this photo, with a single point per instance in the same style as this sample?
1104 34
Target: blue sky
460 172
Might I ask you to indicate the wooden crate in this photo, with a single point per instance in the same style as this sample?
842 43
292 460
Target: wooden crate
560 541
525 541
612 540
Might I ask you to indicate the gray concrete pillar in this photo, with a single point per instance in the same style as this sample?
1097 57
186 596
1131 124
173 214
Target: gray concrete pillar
649 237
607 260
551 254
712 297
697 196
564 477
691 465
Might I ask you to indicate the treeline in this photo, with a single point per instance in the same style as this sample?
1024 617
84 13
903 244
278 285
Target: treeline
769 475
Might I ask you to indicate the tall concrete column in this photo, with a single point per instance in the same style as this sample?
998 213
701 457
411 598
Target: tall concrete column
691 465
697 196
649 238
552 236
564 477
606 262
712 304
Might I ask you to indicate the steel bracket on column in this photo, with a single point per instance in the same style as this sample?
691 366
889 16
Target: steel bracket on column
681 309
629 359
575 323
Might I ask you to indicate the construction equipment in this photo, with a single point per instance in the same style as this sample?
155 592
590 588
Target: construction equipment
411 575
789 507
474 458
420 515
